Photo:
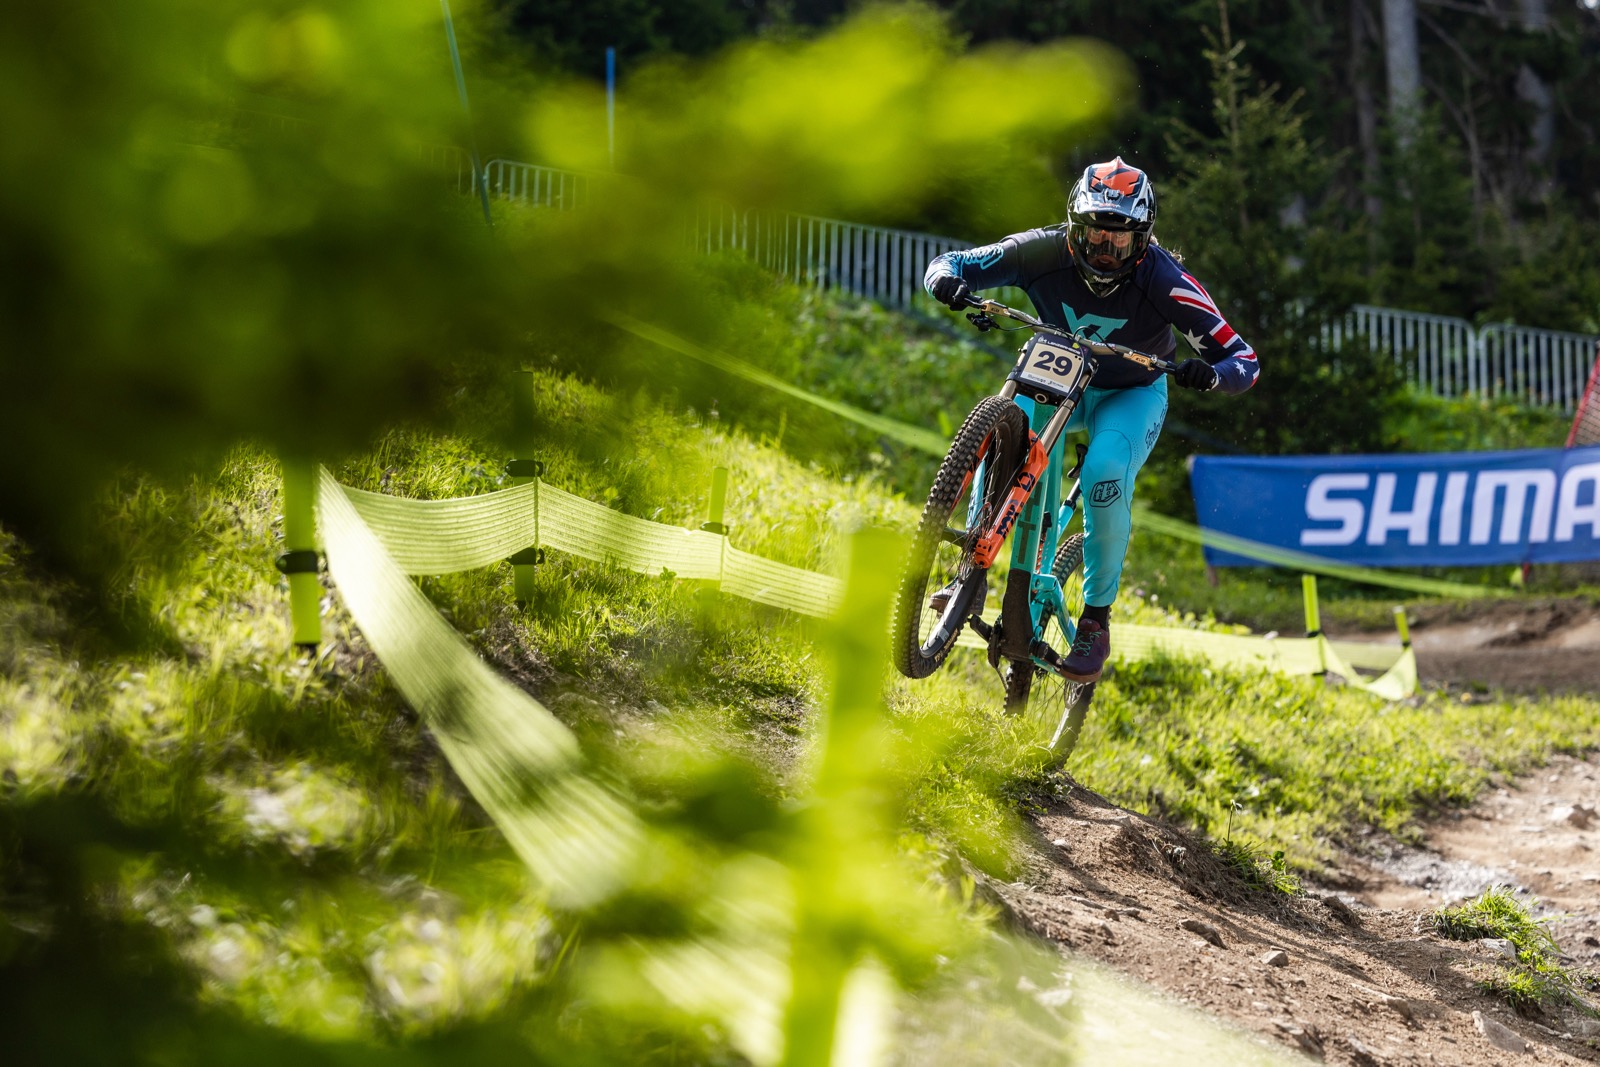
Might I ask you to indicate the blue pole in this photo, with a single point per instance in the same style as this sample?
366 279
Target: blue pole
479 177
611 106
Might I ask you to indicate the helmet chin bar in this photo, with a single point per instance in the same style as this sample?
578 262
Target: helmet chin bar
1100 285
1105 282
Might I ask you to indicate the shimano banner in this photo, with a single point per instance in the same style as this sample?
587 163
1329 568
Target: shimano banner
1432 509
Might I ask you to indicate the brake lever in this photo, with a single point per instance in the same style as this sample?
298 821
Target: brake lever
1149 362
982 321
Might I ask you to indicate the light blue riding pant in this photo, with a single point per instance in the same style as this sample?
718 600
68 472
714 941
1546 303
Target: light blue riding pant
1123 425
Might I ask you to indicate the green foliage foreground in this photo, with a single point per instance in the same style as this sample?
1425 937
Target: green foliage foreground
221 852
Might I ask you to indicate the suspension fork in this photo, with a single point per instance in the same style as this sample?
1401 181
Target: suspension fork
1041 445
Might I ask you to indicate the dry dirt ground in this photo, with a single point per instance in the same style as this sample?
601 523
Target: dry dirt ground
1524 646
1361 979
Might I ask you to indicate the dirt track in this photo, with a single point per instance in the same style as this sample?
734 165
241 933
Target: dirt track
1363 980
1550 645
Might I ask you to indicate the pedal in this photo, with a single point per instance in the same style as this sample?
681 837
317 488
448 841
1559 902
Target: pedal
1048 654
981 628
997 637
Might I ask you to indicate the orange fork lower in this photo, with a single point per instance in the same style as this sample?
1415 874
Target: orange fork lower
988 546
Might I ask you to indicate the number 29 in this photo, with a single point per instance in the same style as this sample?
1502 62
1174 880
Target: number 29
1060 363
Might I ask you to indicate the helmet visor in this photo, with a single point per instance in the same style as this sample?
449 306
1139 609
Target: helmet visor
1106 250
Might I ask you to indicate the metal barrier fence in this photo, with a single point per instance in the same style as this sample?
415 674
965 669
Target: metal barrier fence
868 261
447 159
1544 367
1447 356
534 186
1451 357
521 183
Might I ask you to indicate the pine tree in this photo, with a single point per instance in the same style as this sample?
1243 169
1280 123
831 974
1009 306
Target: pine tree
1252 209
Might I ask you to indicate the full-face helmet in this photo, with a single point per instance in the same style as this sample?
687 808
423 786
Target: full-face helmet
1110 216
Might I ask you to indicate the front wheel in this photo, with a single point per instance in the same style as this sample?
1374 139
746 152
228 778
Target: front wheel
1052 708
942 586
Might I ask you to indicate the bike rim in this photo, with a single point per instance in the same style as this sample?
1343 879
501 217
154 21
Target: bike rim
1053 717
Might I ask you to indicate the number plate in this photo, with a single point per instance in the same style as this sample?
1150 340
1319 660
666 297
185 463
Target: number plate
1058 365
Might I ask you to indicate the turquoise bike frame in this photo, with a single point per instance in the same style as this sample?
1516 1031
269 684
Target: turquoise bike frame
1045 598
1035 538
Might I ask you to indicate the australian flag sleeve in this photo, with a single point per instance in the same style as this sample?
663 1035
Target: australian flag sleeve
1195 317
986 267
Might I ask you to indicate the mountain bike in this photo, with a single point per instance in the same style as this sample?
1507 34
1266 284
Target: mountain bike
1003 476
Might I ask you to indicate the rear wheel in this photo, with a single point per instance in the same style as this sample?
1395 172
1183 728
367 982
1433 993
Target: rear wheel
1052 707
941 586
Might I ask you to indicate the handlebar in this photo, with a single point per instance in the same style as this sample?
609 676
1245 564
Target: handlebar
985 308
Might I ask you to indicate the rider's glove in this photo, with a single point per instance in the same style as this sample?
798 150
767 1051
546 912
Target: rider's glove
1197 374
950 291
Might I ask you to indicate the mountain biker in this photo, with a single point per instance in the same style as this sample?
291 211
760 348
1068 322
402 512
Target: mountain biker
1102 275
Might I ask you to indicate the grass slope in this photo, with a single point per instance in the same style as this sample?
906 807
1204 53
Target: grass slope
283 839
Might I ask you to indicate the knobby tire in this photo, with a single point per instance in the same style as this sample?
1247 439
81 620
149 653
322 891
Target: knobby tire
1002 426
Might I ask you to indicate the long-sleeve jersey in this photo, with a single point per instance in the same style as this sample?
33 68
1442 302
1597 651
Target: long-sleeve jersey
1141 313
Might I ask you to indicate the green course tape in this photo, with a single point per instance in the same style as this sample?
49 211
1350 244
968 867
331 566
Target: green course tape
446 536
1303 561
520 763
1397 683
935 444
914 436
525 768
1294 656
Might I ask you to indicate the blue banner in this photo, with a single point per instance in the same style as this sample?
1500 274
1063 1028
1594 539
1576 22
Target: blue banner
1424 510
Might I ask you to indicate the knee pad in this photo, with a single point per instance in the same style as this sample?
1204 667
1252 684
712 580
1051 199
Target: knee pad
1106 468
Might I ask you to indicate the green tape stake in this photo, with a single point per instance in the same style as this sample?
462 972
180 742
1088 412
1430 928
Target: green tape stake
1308 587
299 560
714 524
1402 624
719 496
524 421
524 469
